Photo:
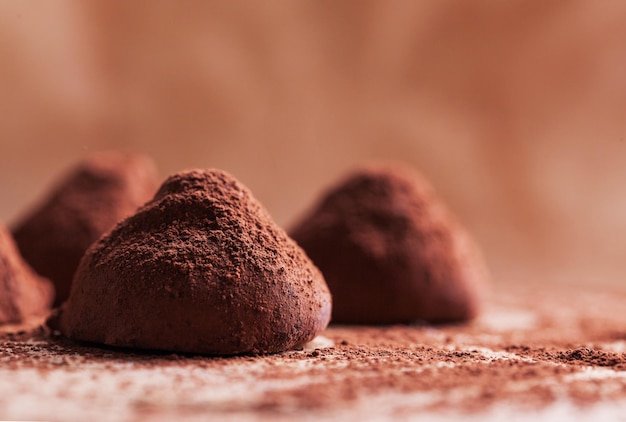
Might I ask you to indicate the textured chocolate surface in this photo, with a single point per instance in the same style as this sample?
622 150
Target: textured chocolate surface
22 292
85 203
201 268
391 252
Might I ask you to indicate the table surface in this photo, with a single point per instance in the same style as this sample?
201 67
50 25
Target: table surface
553 352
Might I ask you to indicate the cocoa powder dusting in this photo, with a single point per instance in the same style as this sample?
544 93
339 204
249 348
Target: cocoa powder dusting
391 252
527 356
22 292
85 203
201 268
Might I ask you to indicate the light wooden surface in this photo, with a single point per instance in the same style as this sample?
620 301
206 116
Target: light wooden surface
541 353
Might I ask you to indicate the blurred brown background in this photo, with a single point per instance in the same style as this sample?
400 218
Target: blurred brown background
515 110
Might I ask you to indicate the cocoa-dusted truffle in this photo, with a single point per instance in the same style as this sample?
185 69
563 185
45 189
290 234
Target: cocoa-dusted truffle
22 292
202 268
391 252
88 201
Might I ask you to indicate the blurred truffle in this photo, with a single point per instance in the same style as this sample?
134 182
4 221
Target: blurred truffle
88 201
22 292
202 268
391 252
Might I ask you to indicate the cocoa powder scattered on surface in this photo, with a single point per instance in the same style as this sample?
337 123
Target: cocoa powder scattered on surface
590 357
201 268
22 292
391 252
529 355
85 203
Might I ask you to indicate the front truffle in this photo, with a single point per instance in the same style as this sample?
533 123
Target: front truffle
88 201
202 268
22 292
390 251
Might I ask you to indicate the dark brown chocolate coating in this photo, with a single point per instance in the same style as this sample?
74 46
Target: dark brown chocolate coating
202 268
88 201
23 293
391 252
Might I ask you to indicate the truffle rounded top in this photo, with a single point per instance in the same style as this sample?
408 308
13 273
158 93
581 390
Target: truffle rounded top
390 250
22 292
85 203
201 268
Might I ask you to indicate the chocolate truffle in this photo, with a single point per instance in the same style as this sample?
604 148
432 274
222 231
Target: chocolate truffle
391 252
201 268
88 201
22 292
